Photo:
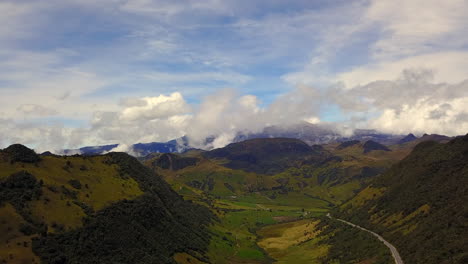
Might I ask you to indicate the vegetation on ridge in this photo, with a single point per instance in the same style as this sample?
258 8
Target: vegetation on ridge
100 209
420 204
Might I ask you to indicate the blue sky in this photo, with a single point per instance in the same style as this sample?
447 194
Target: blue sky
64 65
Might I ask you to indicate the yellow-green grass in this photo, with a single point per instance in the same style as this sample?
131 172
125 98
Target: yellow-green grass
335 194
369 193
401 223
15 247
282 236
235 239
294 199
101 183
240 180
294 242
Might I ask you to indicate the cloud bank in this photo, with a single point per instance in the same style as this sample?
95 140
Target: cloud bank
412 103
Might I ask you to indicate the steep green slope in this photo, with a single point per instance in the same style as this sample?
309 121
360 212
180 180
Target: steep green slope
101 209
420 204
309 176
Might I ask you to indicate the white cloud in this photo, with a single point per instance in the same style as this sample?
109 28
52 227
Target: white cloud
418 26
156 107
401 35
446 66
412 102
419 118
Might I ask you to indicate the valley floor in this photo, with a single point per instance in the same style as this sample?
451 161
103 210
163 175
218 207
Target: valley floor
270 233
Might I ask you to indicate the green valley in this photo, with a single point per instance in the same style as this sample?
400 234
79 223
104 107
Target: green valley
258 201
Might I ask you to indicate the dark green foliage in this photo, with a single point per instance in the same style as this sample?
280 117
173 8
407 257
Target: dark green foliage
19 188
148 229
266 155
368 172
372 145
351 245
436 175
206 184
230 187
348 144
28 229
69 193
87 209
330 175
137 231
20 153
174 162
75 184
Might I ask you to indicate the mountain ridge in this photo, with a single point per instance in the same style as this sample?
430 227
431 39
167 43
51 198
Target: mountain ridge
418 203
93 209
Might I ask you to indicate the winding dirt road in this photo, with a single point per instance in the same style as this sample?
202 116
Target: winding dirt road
395 254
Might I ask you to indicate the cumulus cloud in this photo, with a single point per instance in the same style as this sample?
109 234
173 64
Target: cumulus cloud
41 136
152 108
411 103
420 118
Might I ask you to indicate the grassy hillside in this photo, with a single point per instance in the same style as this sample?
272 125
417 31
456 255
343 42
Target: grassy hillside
268 216
101 209
321 241
306 179
420 204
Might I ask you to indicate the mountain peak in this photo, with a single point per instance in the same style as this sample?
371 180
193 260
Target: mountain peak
410 137
21 153
372 145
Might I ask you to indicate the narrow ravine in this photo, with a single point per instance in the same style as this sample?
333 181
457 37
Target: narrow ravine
396 256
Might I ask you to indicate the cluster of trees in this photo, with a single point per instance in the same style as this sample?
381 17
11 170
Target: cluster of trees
148 229
174 162
351 245
20 153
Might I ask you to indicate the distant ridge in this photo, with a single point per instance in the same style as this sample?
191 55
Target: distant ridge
410 137
372 145
348 144
141 149
311 134
265 155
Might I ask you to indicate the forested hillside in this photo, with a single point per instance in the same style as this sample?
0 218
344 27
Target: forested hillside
420 204
99 209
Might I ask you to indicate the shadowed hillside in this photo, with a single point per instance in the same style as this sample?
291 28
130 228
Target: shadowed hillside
265 155
99 209
420 203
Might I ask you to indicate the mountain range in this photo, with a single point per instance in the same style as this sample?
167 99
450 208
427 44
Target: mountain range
260 200
308 133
